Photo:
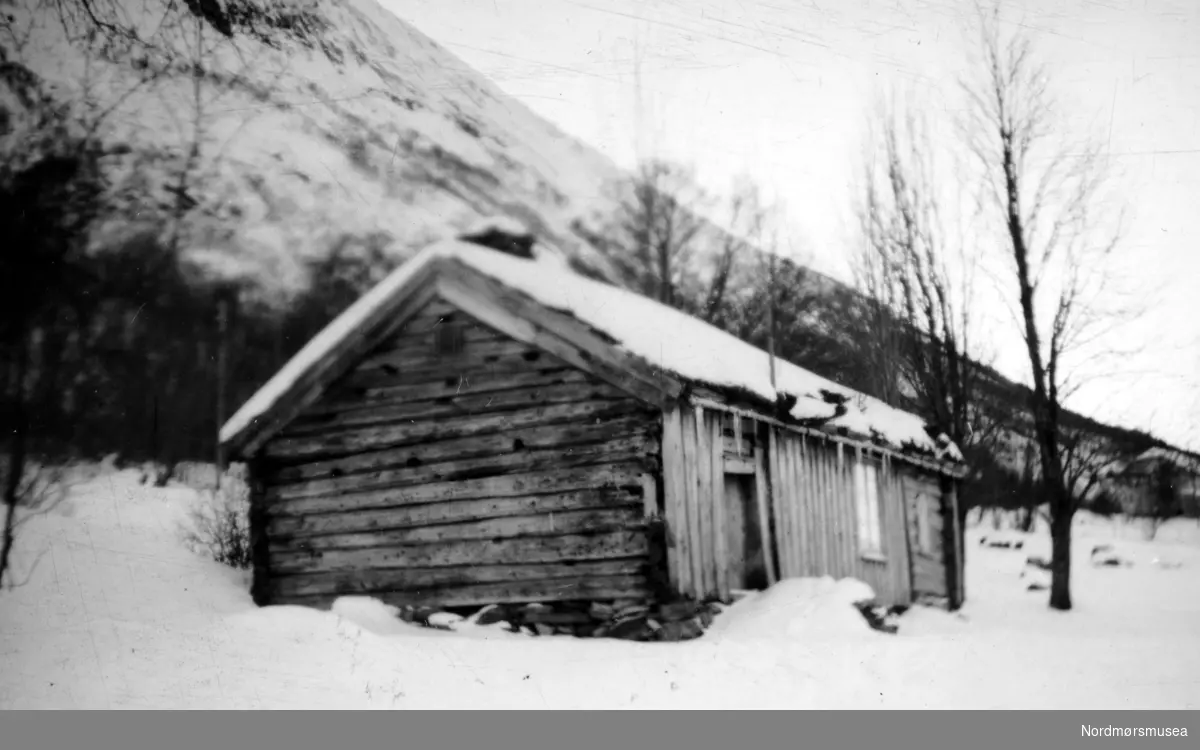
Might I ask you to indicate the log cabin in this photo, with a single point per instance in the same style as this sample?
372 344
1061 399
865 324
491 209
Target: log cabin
484 426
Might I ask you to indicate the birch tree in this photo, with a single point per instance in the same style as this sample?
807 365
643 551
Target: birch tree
1047 197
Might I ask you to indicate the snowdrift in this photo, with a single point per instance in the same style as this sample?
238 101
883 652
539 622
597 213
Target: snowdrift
801 609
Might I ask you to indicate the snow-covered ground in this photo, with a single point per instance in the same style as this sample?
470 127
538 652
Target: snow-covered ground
115 612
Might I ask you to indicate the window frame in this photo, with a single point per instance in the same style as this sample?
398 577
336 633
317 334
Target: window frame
925 537
868 510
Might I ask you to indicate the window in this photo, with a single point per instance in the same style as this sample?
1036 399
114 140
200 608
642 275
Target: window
866 496
924 524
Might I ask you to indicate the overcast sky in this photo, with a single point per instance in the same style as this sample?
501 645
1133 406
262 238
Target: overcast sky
780 90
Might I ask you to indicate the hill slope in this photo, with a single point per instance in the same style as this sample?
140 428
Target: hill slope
278 131
314 122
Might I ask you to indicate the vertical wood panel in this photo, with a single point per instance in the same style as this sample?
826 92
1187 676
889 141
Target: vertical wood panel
797 523
777 493
831 508
838 510
795 500
882 572
672 466
811 530
904 566
762 497
704 495
691 501
844 544
803 526
720 519
898 554
783 519
675 489
849 531
959 586
823 546
818 518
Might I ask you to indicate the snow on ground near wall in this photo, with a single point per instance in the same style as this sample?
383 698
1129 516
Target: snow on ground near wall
117 614
662 336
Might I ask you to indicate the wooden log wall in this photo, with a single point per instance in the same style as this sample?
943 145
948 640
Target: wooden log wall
924 496
456 466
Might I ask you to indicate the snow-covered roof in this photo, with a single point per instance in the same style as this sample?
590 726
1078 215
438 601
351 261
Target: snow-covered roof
1181 459
664 337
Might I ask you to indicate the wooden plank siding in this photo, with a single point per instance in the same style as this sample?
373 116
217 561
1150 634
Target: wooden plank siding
454 465
814 496
697 517
924 496
805 502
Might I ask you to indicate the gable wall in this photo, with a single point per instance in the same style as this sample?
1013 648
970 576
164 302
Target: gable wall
485 471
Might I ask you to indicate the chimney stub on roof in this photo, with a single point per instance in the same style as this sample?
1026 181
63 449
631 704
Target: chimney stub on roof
503 236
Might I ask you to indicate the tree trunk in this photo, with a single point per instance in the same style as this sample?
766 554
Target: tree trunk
222 364
16 456
1060 560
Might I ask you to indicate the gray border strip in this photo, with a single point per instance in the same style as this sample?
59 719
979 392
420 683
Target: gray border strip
959 730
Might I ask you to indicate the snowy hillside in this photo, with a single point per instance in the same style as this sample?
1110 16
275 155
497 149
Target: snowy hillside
316 123
114 612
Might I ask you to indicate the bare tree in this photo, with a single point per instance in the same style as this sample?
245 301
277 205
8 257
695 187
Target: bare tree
1047 196
913 322
51 192
748 242
655 229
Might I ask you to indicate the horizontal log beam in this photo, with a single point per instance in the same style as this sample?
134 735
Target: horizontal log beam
521 550
453 511
592 588
544 524
395 434
614 451
369 582
332 416
562 436
597 477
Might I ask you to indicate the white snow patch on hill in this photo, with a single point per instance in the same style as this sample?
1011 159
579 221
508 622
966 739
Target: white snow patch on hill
345 122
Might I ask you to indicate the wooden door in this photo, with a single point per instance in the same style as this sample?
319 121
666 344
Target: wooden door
744 545
923 503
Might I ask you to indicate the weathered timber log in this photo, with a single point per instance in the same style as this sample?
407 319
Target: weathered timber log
419 357
510 485
606 587
396 434
619 450
545 524
566 435
317 418
529 360
523 550
459 384
453 511
362 582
